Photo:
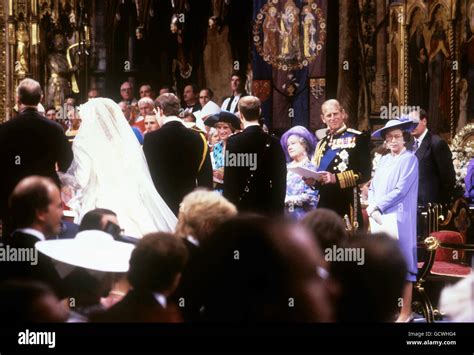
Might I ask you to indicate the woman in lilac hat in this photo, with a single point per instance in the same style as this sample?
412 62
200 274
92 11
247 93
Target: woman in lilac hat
394 190
298 145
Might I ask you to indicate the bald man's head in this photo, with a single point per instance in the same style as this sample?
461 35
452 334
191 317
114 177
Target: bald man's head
29 92
36 203
331 102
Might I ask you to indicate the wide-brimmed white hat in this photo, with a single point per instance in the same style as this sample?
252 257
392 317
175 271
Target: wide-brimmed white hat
404 123
92 249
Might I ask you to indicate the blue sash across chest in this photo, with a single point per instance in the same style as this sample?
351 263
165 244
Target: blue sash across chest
327 158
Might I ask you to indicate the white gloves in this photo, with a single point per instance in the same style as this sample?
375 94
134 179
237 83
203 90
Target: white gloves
374 212
370 209
377 216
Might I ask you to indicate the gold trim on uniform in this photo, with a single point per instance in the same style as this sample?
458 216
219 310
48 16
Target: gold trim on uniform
319 152
347 179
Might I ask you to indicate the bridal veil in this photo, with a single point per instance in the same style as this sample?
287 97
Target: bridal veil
110 171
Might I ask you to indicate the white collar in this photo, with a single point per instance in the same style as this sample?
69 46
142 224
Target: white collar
192 240
34 232
161 299
172 119
423 135
250 124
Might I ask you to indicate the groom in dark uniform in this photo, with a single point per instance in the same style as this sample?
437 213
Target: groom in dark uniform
178 157
343 158
254 165
30 144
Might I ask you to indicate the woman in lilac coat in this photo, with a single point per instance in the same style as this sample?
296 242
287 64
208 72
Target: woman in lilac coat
394 189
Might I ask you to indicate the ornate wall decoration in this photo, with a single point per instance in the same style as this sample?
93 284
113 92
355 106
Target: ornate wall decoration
28 28
21 8
424 60
317 87
22 49
466 75
3 65
262 89
417 48
65 37
396 53
288 38
368 51
462 149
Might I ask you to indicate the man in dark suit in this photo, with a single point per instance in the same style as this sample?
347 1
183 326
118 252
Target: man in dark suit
437 178
254 165
30 145
36 209
178 157
190 98
237 85
155 270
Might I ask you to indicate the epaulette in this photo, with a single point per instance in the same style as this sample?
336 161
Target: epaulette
321 133
351 130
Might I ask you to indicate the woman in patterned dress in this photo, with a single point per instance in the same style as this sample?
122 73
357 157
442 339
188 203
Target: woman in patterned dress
299 144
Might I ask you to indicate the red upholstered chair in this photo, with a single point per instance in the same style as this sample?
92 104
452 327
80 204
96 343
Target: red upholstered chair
450 261
445 263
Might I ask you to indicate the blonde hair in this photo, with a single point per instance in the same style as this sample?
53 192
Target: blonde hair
211 132
201 212
151 117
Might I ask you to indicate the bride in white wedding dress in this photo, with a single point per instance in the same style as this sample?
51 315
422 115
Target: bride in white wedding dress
109 170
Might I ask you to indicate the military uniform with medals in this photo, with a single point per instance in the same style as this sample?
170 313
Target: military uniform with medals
345 154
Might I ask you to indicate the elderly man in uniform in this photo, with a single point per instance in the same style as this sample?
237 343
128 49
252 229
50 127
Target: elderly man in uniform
343 159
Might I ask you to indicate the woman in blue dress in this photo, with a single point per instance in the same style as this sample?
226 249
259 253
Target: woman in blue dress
394 189
299 145
226 124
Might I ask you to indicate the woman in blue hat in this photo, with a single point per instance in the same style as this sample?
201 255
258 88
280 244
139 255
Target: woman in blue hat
394 190
299 145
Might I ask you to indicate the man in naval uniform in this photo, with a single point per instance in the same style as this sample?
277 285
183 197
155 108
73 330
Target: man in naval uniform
343 159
